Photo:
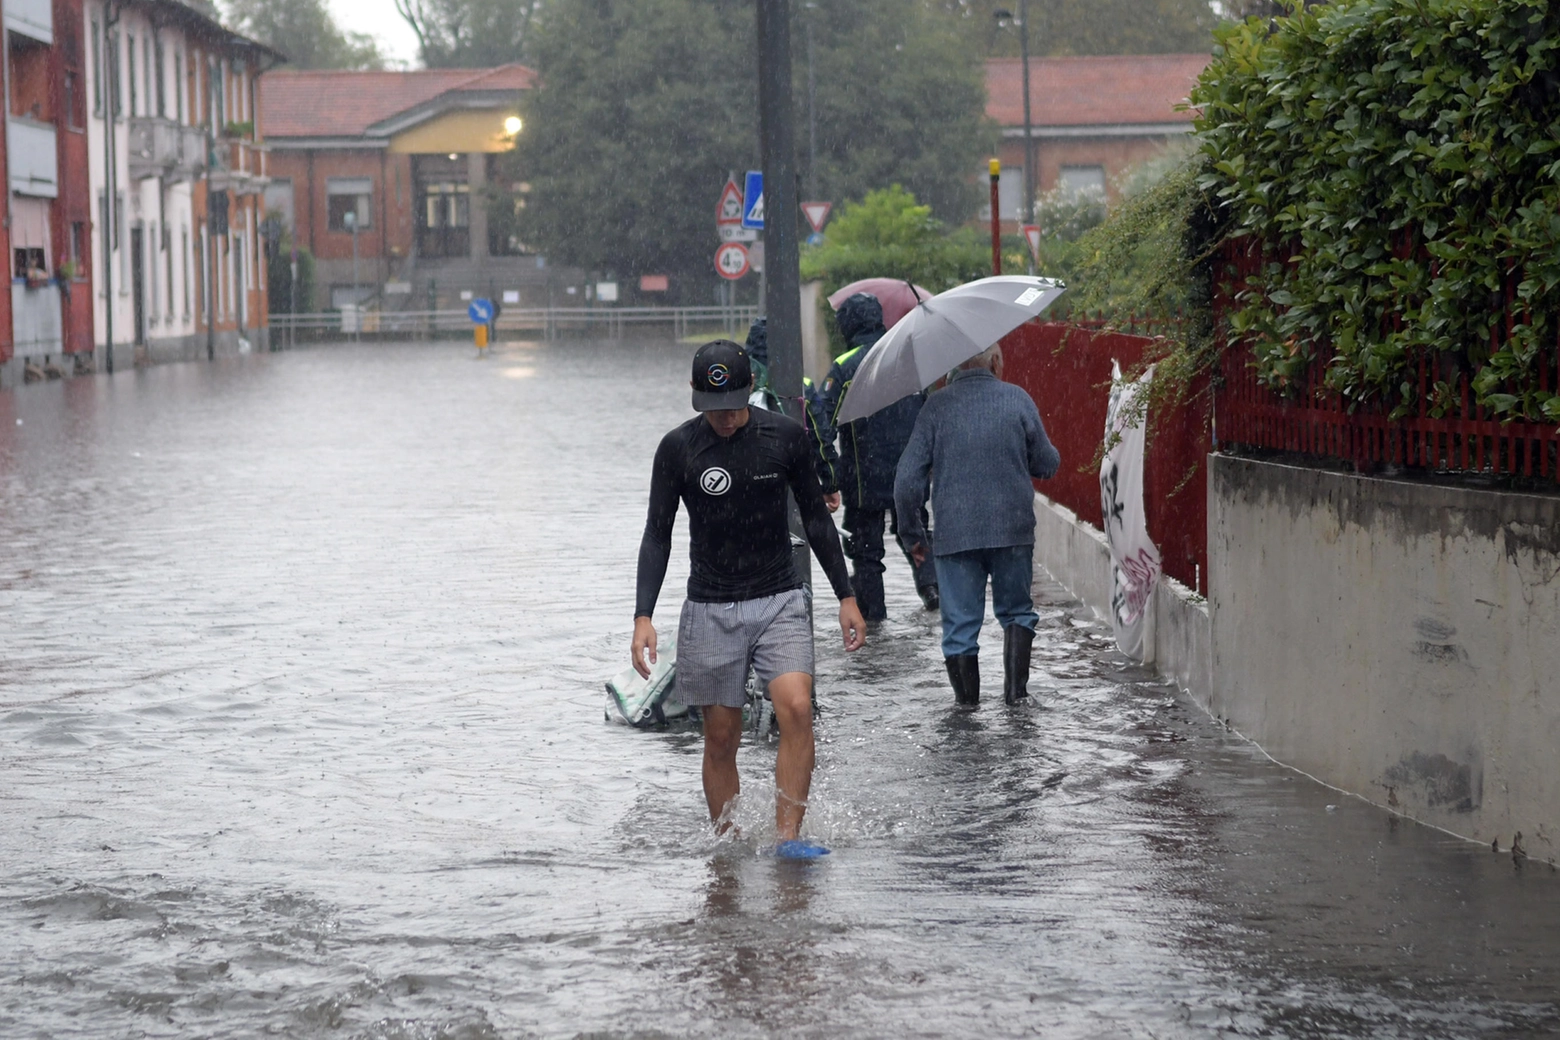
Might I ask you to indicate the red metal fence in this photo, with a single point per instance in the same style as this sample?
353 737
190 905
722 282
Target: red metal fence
1066 369
1314 420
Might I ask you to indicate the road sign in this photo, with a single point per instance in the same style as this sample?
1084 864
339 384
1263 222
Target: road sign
817 213
1032 236
753 200
731 260
815 239
737 233
480 311
729 210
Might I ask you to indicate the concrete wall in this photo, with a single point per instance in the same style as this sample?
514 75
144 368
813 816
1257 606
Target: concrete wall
1394 639
1075 554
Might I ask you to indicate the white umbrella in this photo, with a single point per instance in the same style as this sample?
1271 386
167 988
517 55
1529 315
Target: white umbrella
941 334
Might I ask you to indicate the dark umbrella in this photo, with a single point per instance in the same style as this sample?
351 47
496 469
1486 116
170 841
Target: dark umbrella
896 296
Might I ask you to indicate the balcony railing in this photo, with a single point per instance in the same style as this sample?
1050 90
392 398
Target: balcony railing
163 148
240 165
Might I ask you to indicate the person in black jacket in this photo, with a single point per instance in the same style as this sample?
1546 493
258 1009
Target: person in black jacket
868 458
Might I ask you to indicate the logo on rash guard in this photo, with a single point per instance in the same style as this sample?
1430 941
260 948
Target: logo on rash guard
718 375
715 481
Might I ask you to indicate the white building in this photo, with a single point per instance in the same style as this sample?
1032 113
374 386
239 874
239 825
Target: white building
173 96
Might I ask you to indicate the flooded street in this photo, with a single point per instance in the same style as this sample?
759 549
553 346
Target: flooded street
301 734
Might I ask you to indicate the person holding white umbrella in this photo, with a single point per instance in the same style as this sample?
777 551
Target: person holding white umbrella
979 443
976 447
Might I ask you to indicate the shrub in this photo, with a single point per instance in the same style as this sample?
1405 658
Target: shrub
1395 161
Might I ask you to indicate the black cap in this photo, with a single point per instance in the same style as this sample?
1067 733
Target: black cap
722 377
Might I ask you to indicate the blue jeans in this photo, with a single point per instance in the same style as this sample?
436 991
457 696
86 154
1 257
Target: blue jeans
961 581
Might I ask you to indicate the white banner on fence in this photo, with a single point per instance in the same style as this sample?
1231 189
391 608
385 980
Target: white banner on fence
1134 560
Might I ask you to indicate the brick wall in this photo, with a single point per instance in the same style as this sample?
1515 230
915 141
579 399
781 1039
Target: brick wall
389 237
1067 371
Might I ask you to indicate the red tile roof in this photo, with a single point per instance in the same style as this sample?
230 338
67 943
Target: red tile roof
1092 91
335 103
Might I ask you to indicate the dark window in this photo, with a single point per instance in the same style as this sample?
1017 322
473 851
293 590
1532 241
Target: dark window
97 69
30 75
162 92
360 205
79 248
75 118
116 92
30 264
130 67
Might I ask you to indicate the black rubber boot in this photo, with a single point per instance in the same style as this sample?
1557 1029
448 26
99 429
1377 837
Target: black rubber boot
964 674
928 594
1017 642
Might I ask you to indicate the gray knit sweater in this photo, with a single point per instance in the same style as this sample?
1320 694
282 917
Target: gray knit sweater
979 441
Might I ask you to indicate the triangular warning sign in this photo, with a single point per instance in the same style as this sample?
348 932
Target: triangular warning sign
729 209
1032 236
817 213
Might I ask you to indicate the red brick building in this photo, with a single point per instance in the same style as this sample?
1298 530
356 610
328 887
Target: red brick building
402 158
1091 118
46 208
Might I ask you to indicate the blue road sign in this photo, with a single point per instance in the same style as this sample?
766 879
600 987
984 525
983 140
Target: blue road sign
815 239
753 200
480 311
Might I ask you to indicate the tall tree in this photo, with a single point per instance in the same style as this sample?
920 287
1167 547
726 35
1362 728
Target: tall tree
646 105
901 99
470 34
305 32
1058 27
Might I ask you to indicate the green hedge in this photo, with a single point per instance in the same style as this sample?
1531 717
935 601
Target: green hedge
1397 161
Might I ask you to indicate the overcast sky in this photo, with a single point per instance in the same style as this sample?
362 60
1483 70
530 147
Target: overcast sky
378 18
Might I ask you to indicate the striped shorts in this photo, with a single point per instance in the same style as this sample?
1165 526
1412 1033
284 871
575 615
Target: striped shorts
718 642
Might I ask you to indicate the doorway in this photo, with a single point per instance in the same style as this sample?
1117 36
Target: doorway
138 281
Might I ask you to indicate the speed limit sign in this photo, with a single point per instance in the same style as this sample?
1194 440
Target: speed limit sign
731 260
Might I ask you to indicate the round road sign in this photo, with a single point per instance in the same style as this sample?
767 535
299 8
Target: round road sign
731 260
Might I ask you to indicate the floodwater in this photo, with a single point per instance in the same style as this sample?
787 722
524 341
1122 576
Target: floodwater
301 734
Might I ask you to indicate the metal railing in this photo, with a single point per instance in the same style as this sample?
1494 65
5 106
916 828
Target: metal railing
550 322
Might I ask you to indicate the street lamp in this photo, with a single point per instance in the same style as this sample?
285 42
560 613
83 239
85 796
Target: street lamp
350 219
1002 15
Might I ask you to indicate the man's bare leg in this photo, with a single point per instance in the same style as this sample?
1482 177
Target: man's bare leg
722 734
791 695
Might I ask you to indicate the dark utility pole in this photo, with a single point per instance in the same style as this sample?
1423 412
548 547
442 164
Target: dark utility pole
812 111
782 291
782 297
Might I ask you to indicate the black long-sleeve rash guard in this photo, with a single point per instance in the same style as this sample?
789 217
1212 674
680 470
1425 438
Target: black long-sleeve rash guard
735 491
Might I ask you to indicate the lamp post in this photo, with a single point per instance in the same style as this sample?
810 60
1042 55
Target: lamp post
350 219
1003 14
110 211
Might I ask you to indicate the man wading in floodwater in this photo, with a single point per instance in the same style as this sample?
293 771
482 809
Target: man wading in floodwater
732 467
